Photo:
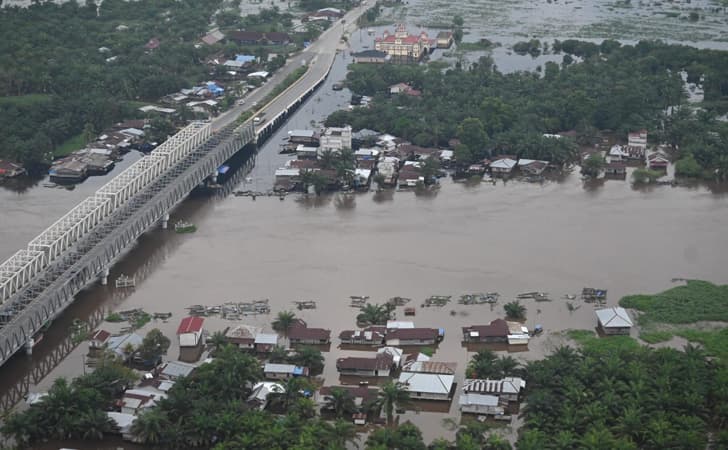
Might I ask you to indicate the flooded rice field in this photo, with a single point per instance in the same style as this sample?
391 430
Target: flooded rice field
513 237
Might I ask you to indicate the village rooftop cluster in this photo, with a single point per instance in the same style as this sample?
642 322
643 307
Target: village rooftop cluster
397 350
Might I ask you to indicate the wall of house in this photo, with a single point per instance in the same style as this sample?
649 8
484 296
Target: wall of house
428 396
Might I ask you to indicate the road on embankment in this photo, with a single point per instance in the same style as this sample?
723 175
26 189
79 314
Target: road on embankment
318 56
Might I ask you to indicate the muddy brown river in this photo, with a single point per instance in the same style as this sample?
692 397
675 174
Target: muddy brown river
512 237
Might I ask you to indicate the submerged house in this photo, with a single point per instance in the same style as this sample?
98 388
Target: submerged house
503 166
657 161
413 336
372 336
615 169
533 167
429 380
495 332
300 333
284 371
191 338
242 336
613 321
380 365
489 397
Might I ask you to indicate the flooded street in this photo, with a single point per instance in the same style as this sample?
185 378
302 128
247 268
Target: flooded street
512 237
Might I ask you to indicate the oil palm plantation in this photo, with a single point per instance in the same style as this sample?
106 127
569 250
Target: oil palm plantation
284 321
393 395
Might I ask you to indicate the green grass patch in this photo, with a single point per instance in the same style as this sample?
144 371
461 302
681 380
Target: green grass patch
715 341
653 337
693 302
114 317
589 341
70 146
429 351
141 319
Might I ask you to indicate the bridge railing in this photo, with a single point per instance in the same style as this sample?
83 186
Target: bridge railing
21 268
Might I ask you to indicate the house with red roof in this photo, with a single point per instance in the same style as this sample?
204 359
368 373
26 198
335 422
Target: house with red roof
403 46
191 338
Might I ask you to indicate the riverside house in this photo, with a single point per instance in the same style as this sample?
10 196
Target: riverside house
380 365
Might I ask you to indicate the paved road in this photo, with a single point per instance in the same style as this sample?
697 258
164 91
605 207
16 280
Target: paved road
319 56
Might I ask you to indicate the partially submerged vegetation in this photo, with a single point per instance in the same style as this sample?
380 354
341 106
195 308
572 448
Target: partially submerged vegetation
695 301
615 87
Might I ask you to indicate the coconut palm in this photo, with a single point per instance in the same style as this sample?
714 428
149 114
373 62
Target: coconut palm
150 427
284 321
310 357
217 341
278 354
94 424
391 396
340 402
344 433
515 310
374 314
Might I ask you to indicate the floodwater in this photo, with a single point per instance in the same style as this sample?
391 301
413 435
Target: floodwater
512 237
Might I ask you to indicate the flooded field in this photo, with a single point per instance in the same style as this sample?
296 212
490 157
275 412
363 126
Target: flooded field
622 20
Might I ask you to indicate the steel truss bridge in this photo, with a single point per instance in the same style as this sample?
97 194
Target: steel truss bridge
38 282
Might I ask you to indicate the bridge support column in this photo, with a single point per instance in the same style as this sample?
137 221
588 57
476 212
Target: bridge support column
213 177
165 221
105 277
29 346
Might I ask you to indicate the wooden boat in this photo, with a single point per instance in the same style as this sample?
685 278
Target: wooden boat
184 227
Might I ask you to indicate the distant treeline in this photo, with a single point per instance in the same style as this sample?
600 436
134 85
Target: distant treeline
614 87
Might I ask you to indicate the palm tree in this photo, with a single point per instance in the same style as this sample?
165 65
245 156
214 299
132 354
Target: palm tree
94 424
150 427
482 364
515 310
343 433
278 354
217 341
327 159
374 314
310 357
284 321
393 395
340 402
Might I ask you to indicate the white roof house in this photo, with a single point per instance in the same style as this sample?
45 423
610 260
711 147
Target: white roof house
400 324
433 386
123 422
176 369
260 74
283 172
503 165
508 385
266 338
616 317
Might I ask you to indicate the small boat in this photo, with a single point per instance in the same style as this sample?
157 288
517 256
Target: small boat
184 227
337 86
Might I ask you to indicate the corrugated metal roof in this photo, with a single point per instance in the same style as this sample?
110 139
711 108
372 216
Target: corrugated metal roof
617 317
429 383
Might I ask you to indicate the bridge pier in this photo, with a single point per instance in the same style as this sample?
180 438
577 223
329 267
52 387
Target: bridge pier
165 221
29 346
105 277
213 177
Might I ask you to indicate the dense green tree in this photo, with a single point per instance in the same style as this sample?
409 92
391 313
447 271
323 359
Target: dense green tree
515 310
392 395
311 357
375 314
340 402
284 321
